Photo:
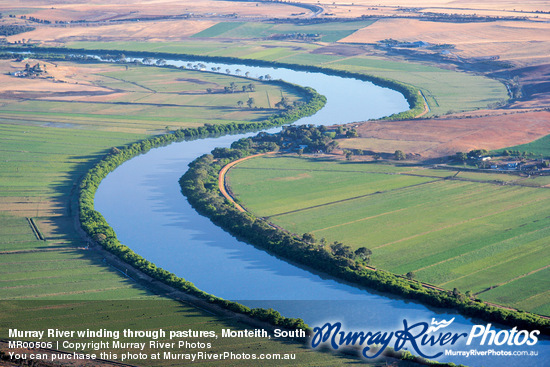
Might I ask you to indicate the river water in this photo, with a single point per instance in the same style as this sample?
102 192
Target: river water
142 201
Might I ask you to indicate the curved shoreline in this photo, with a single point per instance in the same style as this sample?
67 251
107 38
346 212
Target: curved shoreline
222 183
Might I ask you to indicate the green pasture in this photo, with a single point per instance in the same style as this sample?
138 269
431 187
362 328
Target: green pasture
528 293
147 99
328 32
539 147
446 91
468 232
58 283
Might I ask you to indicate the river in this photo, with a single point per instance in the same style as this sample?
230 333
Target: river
142 201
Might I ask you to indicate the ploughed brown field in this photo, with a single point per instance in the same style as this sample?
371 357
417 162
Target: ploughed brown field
440 137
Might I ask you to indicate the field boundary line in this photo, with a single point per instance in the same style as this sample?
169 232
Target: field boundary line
535 296
45 249
353 198
129 82
358 220
35 229
94 290
514 279
456 257
490 267
456 224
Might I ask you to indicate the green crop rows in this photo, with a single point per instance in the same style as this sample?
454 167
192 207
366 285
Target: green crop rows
470 233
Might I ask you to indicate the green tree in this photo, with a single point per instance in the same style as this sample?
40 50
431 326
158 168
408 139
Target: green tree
339 249
461 156
364 254
308 238
250 102
399 155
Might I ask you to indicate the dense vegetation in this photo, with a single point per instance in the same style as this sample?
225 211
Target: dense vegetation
12 29
200 185
97 228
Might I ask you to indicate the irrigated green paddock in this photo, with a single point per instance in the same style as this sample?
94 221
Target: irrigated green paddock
539 148
462 231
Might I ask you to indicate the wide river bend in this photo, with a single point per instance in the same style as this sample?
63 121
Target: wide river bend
142 201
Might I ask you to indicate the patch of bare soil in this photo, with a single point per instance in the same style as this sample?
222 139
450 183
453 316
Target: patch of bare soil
520 42
59 80
441 137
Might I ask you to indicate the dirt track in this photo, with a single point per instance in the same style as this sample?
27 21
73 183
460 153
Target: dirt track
222 182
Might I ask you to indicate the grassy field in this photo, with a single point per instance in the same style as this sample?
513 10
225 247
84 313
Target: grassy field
464 231
539 147
56 281
459 92
141 99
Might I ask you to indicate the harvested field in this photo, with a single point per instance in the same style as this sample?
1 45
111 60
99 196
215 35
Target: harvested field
352 8
524 43
441 137
106 10
152 31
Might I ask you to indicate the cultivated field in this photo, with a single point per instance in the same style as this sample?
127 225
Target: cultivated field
524 43
330 32
49 278
136 99
452 229
442 137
